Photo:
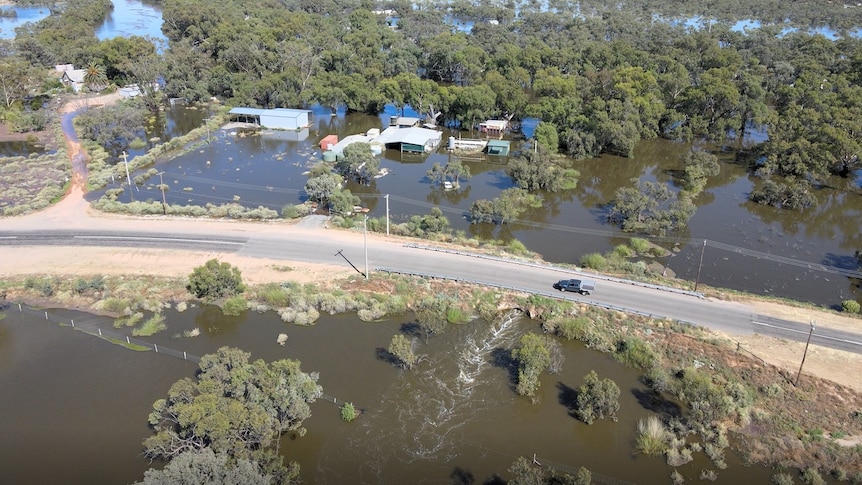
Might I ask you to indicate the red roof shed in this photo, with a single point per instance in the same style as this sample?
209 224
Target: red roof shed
328 141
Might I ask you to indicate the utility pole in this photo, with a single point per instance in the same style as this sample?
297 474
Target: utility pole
365 243
164 201
128 178
387 213
700 265
207 124
804 354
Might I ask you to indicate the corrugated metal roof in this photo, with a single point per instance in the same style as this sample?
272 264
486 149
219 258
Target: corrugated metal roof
277 112
413 136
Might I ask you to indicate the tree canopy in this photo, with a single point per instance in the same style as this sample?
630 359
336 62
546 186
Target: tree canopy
236 408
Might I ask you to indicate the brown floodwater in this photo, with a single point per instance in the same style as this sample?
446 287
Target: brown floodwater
81 403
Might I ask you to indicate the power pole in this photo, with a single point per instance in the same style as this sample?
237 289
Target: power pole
700 265
365 243
128 178
164 201
207 124
387 213
804 354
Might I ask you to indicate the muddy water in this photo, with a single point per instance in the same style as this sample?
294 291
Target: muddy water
455 417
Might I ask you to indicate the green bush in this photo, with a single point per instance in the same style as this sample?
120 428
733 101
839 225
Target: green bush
623 251
636 353
597 399
534 357
640 245
595 261
233 307
653 437
782 479
96 283
348 412
851 306
215 280
153 325
402 349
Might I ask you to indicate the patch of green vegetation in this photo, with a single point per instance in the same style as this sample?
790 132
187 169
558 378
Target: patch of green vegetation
153 325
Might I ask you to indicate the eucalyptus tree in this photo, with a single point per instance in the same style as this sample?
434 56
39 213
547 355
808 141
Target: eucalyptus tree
236 407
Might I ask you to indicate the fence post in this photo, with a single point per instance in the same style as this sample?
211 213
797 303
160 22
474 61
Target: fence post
73 323
100 332
19 308
127 340
184 355
46 315
156 347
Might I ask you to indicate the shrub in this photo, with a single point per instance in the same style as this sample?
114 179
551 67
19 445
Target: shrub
292 211
782 479
597 399
233 307
348 412
215 280
595 261
623 251
153 325
96 283
640 245
652 437
850 306
811 476
636 353
402 349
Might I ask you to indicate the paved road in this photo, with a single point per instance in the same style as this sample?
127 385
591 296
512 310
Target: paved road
317 245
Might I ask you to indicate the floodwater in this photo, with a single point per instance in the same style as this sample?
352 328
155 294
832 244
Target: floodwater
455 419
133 17
750 247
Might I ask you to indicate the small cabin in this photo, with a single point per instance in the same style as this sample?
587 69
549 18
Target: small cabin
277 119
497 147
494 127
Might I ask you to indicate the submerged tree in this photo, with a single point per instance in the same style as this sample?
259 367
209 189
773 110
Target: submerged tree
650 207
205 466
597 399
235 407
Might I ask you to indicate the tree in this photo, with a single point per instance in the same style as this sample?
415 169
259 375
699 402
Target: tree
506 207
321 187
402 349
432 315
453 172
597 399
649 207
699 166
359 162
94 77
235 407
205 466
535 170
215 280
533 358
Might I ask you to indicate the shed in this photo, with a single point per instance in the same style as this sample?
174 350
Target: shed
404 121
328 141
494 127
279 118
498 147
417 140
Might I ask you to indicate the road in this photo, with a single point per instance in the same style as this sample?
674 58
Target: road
318 245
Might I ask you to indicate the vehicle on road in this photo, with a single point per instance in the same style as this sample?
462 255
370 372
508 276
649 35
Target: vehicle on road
584 287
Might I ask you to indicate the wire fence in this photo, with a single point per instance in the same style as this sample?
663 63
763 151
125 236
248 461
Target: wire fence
111 335
97 330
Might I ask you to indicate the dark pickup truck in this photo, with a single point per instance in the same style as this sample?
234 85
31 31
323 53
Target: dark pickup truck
584 287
